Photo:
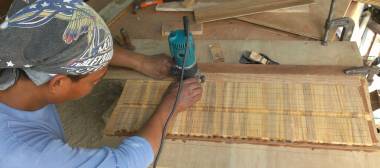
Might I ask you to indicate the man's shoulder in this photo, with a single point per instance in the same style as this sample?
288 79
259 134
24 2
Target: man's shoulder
21 142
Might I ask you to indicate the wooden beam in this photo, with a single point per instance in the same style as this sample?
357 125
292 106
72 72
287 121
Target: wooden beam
120 73
167 27
242 8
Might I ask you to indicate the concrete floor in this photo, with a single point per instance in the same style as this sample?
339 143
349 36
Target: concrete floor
83 119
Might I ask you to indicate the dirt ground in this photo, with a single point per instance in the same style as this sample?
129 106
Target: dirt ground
83 119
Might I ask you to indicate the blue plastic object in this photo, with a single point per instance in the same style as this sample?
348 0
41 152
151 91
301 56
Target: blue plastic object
177 43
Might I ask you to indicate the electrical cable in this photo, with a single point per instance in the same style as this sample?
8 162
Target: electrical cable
181 76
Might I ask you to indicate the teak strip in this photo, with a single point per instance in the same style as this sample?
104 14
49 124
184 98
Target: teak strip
242 8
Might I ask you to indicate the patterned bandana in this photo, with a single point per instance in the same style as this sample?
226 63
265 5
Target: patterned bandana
48 37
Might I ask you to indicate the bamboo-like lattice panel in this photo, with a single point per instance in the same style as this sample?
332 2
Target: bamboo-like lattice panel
251 107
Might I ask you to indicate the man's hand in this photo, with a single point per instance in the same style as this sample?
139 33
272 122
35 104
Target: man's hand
191 93
156 66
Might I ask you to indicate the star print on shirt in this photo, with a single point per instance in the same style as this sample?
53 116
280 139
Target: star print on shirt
10 64
33 6
45 4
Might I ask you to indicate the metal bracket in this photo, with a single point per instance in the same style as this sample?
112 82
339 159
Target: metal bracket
347 23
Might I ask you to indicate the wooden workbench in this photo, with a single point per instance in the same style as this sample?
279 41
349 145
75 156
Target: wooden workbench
195 154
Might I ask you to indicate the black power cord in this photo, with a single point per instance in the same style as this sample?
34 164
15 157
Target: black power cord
181 76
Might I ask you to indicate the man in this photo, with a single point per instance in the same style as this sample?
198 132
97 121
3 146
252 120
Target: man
52 51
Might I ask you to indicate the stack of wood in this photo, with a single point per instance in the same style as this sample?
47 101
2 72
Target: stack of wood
302 17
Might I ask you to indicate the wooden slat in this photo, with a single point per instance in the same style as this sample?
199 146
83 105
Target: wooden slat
167 27
305 24
242 8
284 51
178 7
260 104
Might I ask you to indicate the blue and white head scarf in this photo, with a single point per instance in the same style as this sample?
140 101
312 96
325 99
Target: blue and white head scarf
48 37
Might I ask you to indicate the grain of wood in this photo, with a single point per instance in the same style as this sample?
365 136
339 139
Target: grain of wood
167 27
283 51
242 8
258 108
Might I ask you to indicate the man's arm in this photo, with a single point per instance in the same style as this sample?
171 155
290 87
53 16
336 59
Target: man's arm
157 66
152 131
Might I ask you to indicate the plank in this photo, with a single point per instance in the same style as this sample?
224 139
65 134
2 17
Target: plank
284 51
178 7
193 153
305 24
242 8
146 24
167 27
293 106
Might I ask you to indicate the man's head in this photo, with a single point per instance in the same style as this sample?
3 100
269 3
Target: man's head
61 45
63 87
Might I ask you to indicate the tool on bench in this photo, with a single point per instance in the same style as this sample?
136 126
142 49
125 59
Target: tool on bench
141 4
124 41
331 24
252 57
182 50
178 40
369 71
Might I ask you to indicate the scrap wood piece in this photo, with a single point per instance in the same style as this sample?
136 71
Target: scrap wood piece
293 9
242 8
310 24
178 6
167 27
322 110
216 53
